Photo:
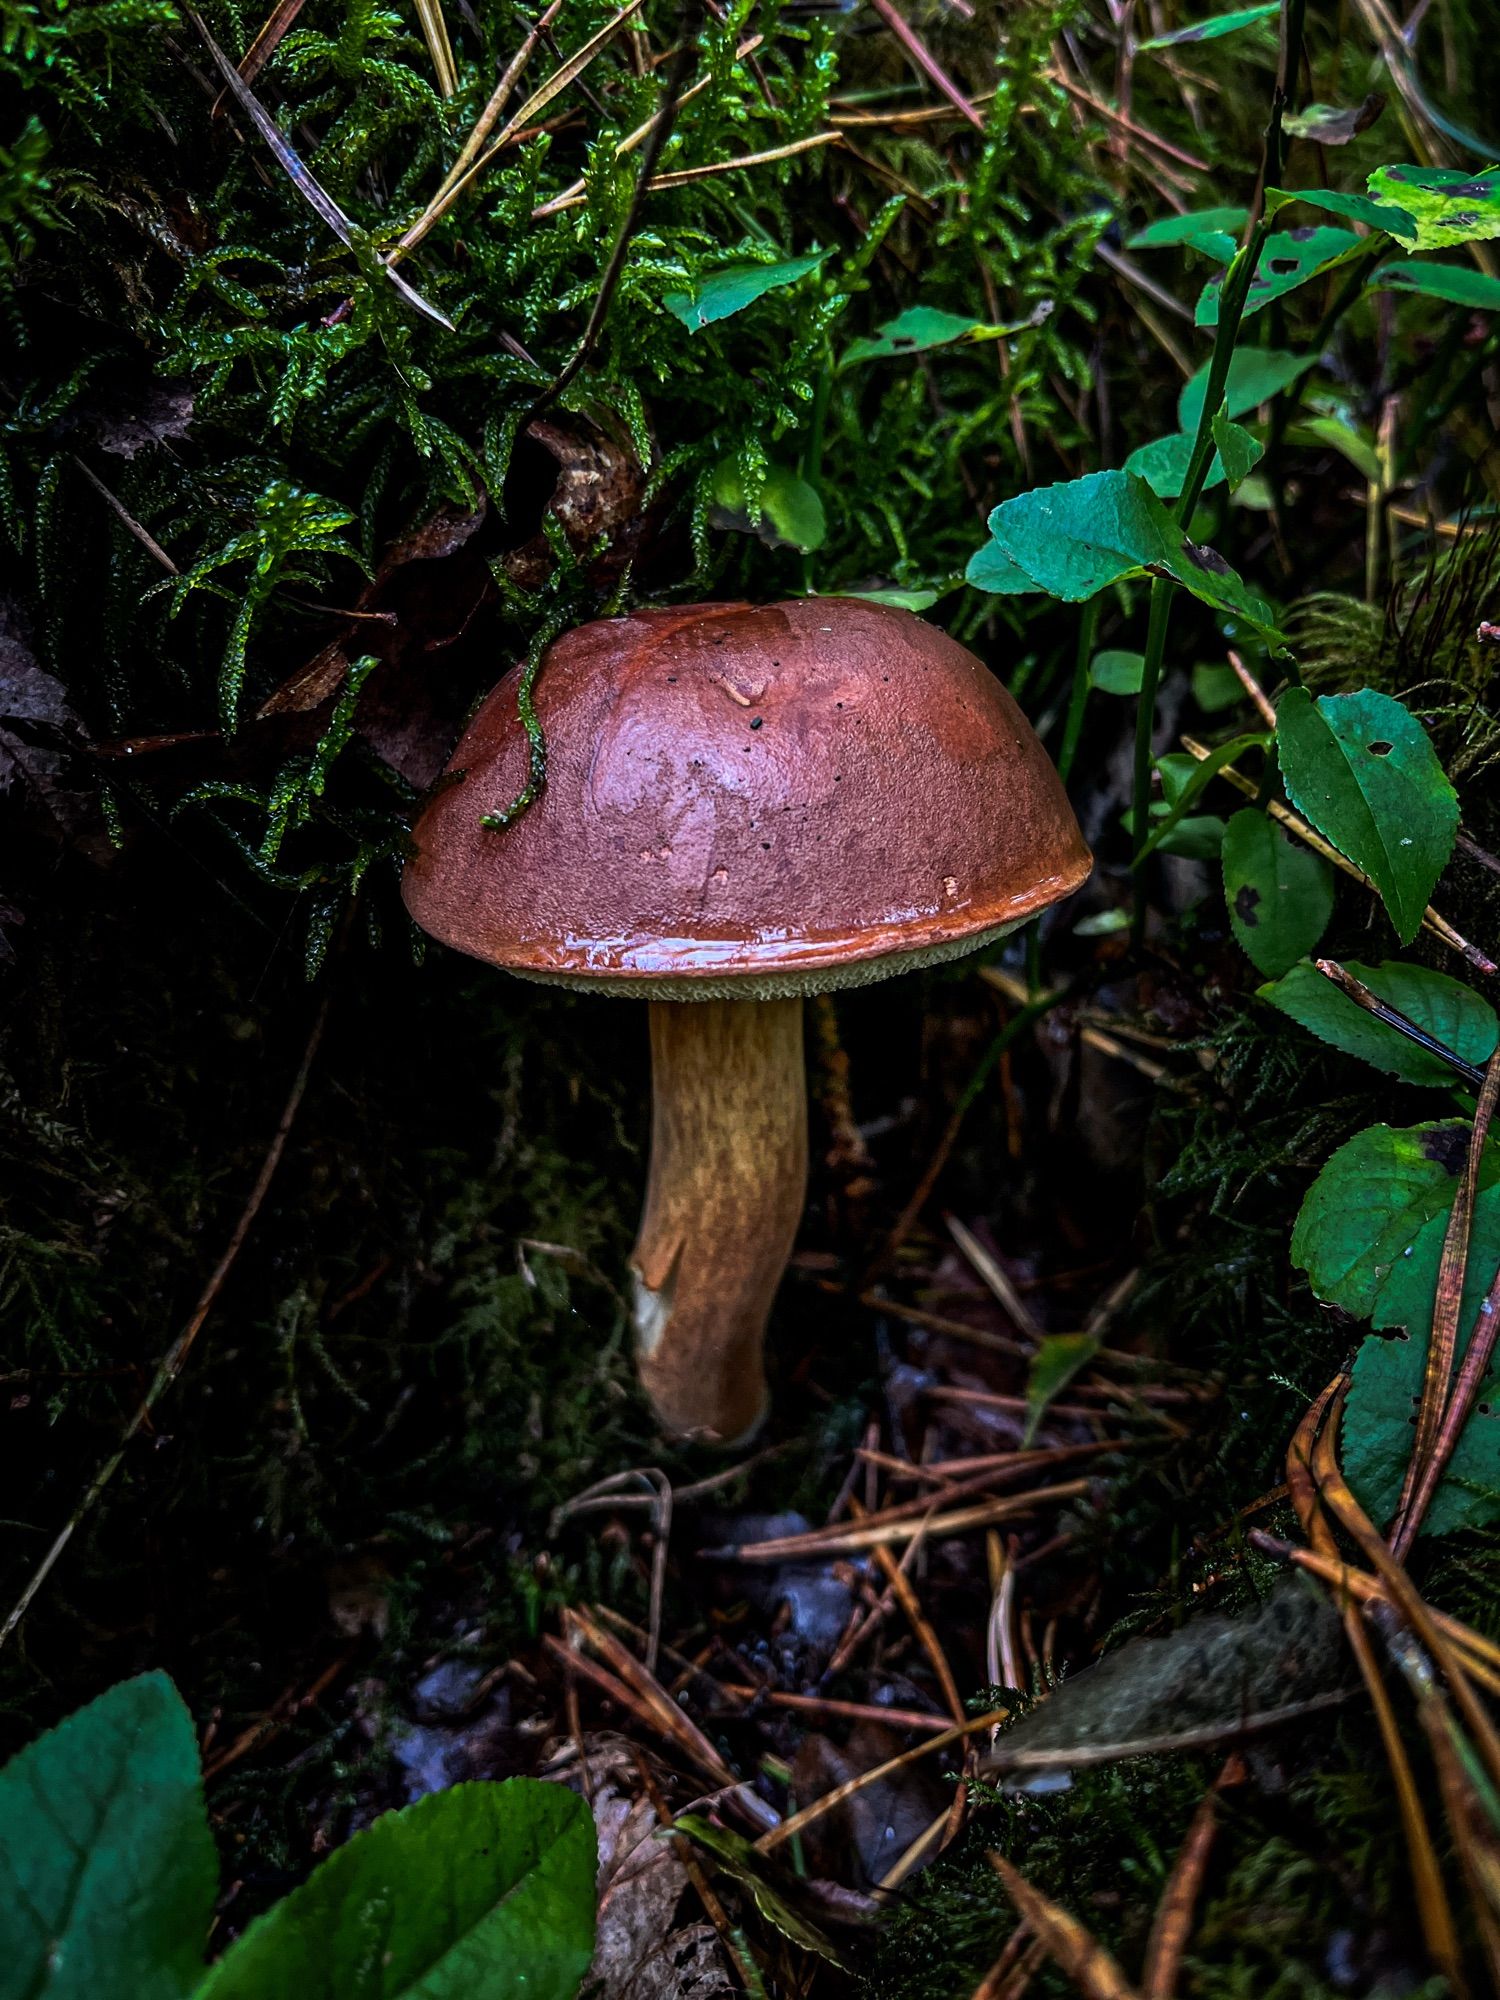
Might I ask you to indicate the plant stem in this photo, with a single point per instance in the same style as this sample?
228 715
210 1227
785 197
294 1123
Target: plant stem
1088 625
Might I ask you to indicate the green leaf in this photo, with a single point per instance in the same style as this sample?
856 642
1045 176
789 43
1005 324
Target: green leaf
1454 282
1280 894
485 1892
728 291
1216 687
1080 536
1408 1292
1365 1213
917 329
1163 464
1394 220
738 1857
1287 259
1449 1011
1256 374
1238 450
1172 230
1058 1358
791 512
1218 24
1447 206
1184 779
1342 438
1360 768
107 1866
1116 672
1377 1436
903 600
991 569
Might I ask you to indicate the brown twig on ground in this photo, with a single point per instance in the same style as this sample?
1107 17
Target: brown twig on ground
1392 1017
1172 1924
173 1361
879 1531
924 60
1090 1967
280 1714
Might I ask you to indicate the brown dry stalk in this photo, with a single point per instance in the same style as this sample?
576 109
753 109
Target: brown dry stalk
828 1801
925 61
877 1533
1090 1967
1418 1487
1172 1924
918 1620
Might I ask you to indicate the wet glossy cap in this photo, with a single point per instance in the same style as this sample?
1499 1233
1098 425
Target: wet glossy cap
746 800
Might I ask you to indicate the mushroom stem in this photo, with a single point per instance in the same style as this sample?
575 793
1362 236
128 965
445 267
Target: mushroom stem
727 1184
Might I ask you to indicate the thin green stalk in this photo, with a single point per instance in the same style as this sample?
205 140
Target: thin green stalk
1088 625
812 457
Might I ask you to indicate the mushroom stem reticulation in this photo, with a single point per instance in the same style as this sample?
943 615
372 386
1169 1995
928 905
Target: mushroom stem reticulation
727 1184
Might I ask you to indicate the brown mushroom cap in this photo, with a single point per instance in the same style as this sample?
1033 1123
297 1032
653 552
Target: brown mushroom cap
747 801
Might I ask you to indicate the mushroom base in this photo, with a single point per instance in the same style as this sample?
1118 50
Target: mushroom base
725 1195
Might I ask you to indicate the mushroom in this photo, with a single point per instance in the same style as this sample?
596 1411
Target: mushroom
744 804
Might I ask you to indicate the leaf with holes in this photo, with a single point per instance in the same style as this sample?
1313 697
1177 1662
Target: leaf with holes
107 1864
1362 770
484 1892
1377 1436
724 293
1217 25
1280 894
1366 1213
1447 206
1454 282
1394 220
1449 1011
1288 259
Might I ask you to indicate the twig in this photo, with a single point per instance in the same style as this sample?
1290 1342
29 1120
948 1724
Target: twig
801 1820
926 61
1085 1961
1172 1924
144 536
176 1355
853 1541
1392 1017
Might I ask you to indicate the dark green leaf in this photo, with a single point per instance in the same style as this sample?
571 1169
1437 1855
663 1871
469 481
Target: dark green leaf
107 1866
1360 768
1218 24
485 1892
1163 464
1171 230
1184 779
726 292
1456 283
916 330
1342 438
1280 894
1377 1436
1058 1358
1116 672
1365 1213
1256 374
1287 259
1448 206
1238 450
1450 1012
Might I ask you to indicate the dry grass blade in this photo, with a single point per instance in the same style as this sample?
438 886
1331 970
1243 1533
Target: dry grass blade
995 1276
265 45
876 1533
1297 826
1090 1967
317 198
1442 1347
917 1618
1172 1924
435 34
847 1790
926 61
538 101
